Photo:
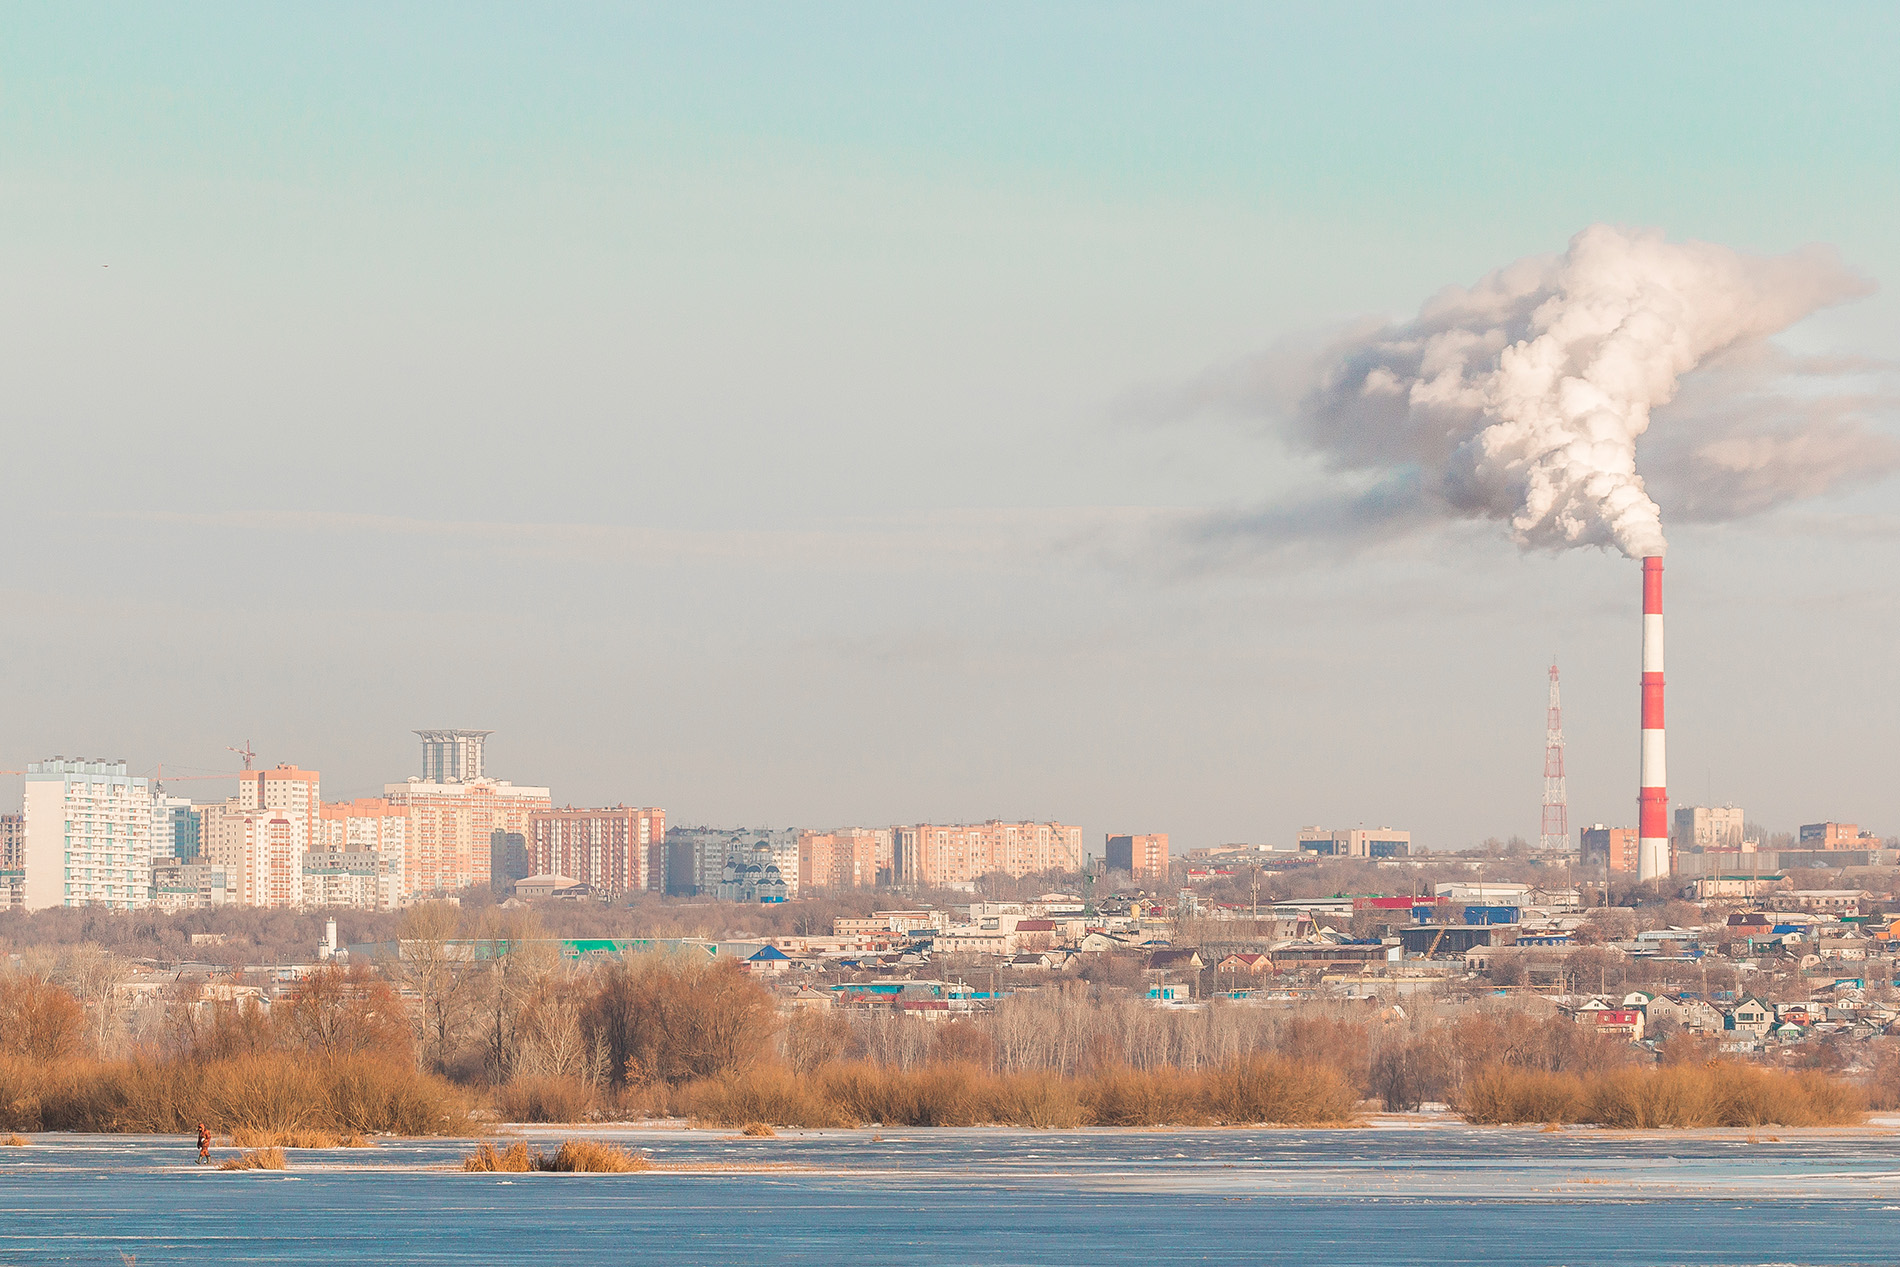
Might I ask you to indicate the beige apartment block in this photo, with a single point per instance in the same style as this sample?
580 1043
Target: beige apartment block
449 848
931 854
284 788
1143 857
368 824
260 851
618 850
848 858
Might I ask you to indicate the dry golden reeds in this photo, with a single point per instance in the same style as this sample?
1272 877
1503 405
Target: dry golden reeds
1252 1090
515 1159
575 1156
756 1130
252 1137
586 1156
545 1100
1720 1093
270 1093
15 1141
256 1159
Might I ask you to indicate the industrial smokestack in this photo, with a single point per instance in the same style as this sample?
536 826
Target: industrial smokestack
1652 845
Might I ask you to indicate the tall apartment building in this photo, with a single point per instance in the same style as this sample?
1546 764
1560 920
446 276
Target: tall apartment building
174 827
1837 836
618 850
368 824
508 860
88 836
88 828
260 850
12 841
930 855
848 858
12 869
1143 857
1613 848
1359 842
1708 828
284 788
453 756
449 847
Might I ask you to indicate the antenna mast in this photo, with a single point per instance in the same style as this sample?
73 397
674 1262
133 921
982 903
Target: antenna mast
1555 834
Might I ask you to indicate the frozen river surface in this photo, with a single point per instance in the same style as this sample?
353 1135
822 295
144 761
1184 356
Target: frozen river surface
1445 1195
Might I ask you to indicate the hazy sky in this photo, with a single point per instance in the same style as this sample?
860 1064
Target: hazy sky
762 411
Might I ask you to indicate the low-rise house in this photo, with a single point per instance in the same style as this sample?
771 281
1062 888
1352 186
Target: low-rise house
1750 1016
1626 1022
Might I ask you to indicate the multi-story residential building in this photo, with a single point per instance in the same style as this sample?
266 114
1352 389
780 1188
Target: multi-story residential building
189 886
368 824
449 848
12 867
88 828
1358 842
12 841
618 851
1145 858
848 858
453 756
1708 828
259 850
507 860
174 827
1837 836
284 788
358 879
930 855
696 857
1613 848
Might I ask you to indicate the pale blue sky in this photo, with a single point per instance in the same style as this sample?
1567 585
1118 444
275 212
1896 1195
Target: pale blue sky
728 404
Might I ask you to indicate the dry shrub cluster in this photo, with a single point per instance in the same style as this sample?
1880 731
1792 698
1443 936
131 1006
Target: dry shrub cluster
1256 1089
334 1059
256 1159
546 1099
272 1092
1721 1093
252 1137
15 1141
574 1156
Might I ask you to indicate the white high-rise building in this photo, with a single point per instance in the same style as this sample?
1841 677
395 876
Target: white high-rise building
173 824
88 835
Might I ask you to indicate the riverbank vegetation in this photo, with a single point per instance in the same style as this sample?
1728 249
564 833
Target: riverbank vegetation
524 1035
1720 1093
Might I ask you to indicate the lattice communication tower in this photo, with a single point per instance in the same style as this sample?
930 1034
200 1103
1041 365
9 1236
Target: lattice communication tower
1555 834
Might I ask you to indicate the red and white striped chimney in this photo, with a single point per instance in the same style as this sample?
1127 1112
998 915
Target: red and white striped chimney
1652 845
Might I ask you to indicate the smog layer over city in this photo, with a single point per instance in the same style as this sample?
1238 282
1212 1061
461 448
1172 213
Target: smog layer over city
796 634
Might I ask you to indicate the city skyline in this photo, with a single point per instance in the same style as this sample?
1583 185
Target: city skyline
818 432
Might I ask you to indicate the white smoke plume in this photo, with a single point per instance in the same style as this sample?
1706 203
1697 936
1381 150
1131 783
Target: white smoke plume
1521 399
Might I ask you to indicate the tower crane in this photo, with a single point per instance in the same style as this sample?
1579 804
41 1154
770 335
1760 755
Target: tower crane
250 758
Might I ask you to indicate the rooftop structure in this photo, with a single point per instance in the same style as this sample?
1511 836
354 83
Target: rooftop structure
453 756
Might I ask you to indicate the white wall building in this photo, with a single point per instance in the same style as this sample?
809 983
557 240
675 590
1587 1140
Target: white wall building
189 886
360 880
88 831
